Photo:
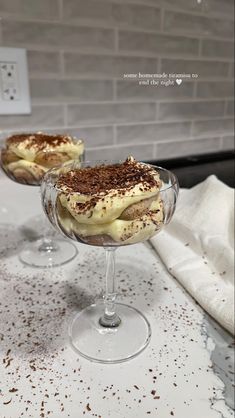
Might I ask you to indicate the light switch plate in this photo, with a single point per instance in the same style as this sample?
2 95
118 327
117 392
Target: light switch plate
14 82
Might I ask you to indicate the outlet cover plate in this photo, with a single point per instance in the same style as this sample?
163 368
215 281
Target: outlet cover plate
14 82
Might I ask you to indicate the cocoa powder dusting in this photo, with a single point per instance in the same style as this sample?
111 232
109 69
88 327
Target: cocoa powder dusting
103 178
39 140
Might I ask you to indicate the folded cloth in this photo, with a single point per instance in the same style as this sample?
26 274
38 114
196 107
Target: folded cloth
197 247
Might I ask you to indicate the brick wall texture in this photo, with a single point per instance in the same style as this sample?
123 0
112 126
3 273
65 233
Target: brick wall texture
78 51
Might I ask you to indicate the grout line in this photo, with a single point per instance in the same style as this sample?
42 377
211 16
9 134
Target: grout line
170 101
65 115
162 17
231 70
61 63
226 104
195 89
157 110
1 37
155 150
129 53
115 134
102 124
150 142
171 140
200 47
160 65
173 100
114 91
192 128
225 108
221 142
99 78
116 40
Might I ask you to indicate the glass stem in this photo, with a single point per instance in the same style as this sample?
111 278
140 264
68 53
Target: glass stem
47 245
110 319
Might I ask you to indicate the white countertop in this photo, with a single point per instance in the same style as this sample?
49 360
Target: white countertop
40 374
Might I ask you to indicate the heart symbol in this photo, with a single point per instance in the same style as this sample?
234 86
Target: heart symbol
179 81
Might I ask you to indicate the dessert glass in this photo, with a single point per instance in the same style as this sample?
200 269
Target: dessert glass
107 331
44 252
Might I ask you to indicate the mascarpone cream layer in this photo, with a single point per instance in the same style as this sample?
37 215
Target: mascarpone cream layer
28 151
107 208
125 232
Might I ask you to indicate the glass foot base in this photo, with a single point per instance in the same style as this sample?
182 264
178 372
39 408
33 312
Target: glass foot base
47 253
109 345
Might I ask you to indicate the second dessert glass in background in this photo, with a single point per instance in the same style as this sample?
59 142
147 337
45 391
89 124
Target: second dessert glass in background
25 159
109 204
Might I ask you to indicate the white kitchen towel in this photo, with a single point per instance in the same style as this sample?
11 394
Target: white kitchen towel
197 247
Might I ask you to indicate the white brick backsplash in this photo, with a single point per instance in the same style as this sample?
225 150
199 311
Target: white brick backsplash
28 8
78 9
197 25
215 89
183 5
107 66
207 69
158 44
140 152
56 35
136 16
132 15
40 62
225 7
181 148
93 136
213 49
40 118
230 108
231 72
79 50
111 113
228 142
194 110
215 127
67 90
153 132
131 90
145 2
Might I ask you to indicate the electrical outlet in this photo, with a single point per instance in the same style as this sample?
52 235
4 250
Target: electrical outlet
10 80
14 86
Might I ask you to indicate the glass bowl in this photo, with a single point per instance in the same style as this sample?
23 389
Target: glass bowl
31 170
107 331
45 252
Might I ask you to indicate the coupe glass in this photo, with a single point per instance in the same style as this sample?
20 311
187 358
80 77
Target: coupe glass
107 331
44 252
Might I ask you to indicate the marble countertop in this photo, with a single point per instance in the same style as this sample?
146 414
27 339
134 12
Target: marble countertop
186 371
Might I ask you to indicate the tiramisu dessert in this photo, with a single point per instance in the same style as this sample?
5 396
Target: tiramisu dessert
107 205
26 157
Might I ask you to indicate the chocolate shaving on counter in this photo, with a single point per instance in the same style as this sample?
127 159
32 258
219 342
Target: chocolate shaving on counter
88 407
103 178
7 403
39 140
